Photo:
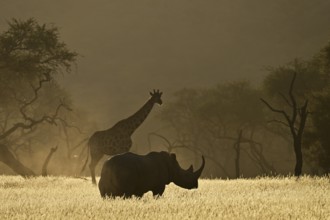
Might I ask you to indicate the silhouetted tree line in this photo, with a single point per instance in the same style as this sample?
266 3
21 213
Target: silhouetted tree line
242 130
229 122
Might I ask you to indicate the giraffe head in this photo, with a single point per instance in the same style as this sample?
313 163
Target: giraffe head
156 96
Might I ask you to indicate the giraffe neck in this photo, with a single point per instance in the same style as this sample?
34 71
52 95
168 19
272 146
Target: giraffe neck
135 120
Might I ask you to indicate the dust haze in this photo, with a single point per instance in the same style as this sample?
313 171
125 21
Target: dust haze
128 48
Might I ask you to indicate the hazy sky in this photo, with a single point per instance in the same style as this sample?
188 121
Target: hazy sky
130 47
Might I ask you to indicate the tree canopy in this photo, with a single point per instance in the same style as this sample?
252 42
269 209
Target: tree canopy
31 55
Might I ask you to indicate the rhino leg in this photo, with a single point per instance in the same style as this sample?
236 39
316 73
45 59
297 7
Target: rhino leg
102 192
138 195
158 191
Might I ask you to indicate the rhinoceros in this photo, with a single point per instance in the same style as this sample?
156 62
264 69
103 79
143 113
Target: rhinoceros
129 174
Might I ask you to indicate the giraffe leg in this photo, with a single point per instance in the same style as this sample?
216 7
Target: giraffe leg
95 158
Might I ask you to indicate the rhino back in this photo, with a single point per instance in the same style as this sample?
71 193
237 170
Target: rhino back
133 174
150 170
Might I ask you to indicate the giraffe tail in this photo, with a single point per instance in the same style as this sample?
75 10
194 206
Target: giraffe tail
84 166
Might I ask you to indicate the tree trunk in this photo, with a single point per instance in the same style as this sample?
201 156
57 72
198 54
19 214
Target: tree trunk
237 148
9 159
299 159
44 167
292 121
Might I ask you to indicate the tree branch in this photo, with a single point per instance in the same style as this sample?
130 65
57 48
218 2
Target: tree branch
50 119
286 116
293 100
285 99
304 113
274 109
44 167
280 122
34 98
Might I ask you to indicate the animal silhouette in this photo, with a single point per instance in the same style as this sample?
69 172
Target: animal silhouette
131 174
117 139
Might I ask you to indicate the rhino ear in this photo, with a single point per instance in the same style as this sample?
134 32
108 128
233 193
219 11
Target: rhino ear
173 156
190 169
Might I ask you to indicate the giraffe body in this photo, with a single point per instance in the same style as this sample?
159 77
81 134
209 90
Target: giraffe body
117 139
116 144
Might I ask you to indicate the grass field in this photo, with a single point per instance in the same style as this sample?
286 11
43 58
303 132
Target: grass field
262 198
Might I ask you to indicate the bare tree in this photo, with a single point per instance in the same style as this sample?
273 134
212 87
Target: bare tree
208 121
30 56
295 122
27 123
237 147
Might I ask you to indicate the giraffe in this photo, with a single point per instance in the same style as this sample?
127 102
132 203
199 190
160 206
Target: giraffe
117 139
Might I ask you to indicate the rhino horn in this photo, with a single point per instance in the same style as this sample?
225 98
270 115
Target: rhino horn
200 170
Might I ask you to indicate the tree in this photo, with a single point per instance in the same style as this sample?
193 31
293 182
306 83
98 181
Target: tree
295 121
311 84
237 147
208 121
318 145
30 57
317 140
234 108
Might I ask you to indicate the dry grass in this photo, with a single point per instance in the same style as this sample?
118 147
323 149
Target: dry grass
264 198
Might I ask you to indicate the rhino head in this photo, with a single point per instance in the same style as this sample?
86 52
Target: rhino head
187 179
